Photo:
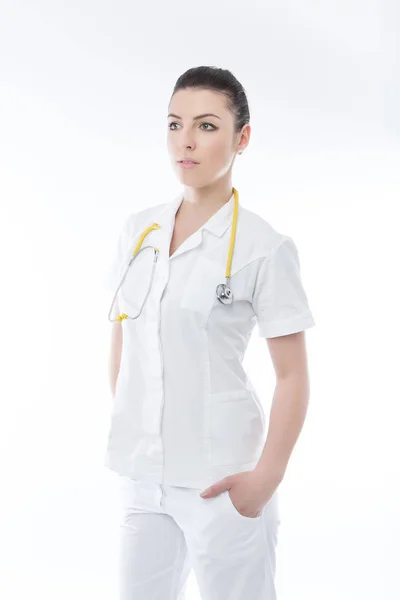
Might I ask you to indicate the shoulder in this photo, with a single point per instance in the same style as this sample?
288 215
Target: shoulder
149 213
134 220
260 238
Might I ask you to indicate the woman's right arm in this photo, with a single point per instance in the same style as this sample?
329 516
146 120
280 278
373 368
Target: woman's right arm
115 352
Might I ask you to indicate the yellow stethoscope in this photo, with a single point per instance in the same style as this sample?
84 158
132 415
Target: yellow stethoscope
223 291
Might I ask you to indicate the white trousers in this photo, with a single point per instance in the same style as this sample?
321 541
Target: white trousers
168 530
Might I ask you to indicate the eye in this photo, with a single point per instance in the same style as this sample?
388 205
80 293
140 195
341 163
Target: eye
210 124
213 127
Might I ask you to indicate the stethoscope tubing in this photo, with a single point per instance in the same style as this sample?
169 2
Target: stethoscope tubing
223 290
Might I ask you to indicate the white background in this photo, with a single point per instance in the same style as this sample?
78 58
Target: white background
84 92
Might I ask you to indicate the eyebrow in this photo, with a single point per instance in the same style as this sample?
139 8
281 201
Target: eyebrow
195 118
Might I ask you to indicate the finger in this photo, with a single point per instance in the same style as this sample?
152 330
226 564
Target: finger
208 492
217 488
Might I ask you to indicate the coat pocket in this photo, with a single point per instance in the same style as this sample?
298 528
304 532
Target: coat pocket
236 428
199 291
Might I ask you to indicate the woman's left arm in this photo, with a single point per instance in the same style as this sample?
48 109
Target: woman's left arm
289 404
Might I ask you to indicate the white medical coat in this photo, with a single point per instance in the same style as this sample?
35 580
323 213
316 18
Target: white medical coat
185 412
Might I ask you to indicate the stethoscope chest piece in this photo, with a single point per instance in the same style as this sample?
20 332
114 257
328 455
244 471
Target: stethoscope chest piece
224 293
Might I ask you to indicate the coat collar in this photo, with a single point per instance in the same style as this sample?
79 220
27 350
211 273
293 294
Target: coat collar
217 224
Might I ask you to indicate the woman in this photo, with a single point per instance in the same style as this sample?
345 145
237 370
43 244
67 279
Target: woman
185 415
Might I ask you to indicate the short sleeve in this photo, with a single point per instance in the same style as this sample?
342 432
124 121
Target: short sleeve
114 270
279 300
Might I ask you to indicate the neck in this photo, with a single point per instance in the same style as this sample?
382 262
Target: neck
207 198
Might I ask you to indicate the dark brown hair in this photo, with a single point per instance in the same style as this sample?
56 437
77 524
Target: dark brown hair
222 81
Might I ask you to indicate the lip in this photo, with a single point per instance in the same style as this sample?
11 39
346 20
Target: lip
187 164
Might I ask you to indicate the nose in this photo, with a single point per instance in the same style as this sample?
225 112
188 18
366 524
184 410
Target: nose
187 143
186 139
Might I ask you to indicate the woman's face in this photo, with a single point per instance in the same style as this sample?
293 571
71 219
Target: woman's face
210 140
